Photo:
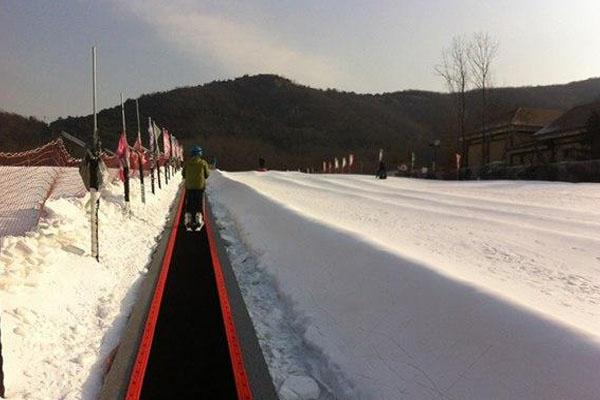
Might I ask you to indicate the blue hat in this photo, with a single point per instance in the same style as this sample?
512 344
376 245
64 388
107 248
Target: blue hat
196 151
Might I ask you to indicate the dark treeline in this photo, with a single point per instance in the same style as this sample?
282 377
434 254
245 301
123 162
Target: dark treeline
294 126
20 133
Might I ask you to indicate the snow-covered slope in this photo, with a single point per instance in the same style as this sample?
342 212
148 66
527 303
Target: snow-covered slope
429 290
63 312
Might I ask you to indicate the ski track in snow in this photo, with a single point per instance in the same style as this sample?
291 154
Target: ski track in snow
430 290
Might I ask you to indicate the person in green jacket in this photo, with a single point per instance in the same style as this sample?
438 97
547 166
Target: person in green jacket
195 172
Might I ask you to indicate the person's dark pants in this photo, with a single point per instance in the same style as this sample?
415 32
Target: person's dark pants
193 201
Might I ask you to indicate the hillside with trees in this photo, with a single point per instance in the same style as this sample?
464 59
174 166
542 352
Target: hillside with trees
291 126
294 126
19 133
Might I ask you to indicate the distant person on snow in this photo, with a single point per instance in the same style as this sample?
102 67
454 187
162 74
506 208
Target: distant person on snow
262 164
381 171
195 172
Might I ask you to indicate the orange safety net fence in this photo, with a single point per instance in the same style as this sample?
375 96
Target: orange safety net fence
29 178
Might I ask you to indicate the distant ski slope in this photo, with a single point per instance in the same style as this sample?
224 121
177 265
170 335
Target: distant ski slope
426 289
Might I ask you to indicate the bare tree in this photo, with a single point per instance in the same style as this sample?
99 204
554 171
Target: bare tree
481 53
455 70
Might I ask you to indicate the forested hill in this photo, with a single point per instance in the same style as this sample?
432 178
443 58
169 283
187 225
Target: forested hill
20 133
295 126
291 126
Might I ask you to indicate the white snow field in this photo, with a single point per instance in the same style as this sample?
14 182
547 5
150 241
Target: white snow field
63 312
415 289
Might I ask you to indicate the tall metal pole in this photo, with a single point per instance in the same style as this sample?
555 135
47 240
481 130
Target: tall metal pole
171 155
95 133
157 156
151 154
94 198
166 160
126 163
140 152
137 113
123 113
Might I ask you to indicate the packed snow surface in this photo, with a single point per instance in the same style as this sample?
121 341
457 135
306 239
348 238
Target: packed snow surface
414 289
63 312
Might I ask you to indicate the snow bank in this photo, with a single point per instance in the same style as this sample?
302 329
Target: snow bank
63 312
24 190
298 371
431 290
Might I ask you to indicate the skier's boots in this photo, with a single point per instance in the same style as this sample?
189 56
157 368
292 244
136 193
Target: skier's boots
187 218
199 221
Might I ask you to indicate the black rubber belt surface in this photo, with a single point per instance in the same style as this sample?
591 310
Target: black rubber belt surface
189 357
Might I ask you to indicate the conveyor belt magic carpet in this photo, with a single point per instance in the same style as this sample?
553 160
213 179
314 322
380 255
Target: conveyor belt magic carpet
197 340
189 356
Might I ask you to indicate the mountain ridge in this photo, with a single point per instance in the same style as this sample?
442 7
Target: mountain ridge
296 126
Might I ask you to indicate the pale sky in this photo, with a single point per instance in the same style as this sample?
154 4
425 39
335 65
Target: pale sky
365 46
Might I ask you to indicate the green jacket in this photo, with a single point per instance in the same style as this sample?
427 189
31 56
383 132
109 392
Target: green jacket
195 172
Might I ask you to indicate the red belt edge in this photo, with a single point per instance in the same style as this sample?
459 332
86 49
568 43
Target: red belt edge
237 361
136 381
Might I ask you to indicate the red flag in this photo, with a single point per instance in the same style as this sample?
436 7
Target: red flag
166 144
133 160
139 147
123 155
138 144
